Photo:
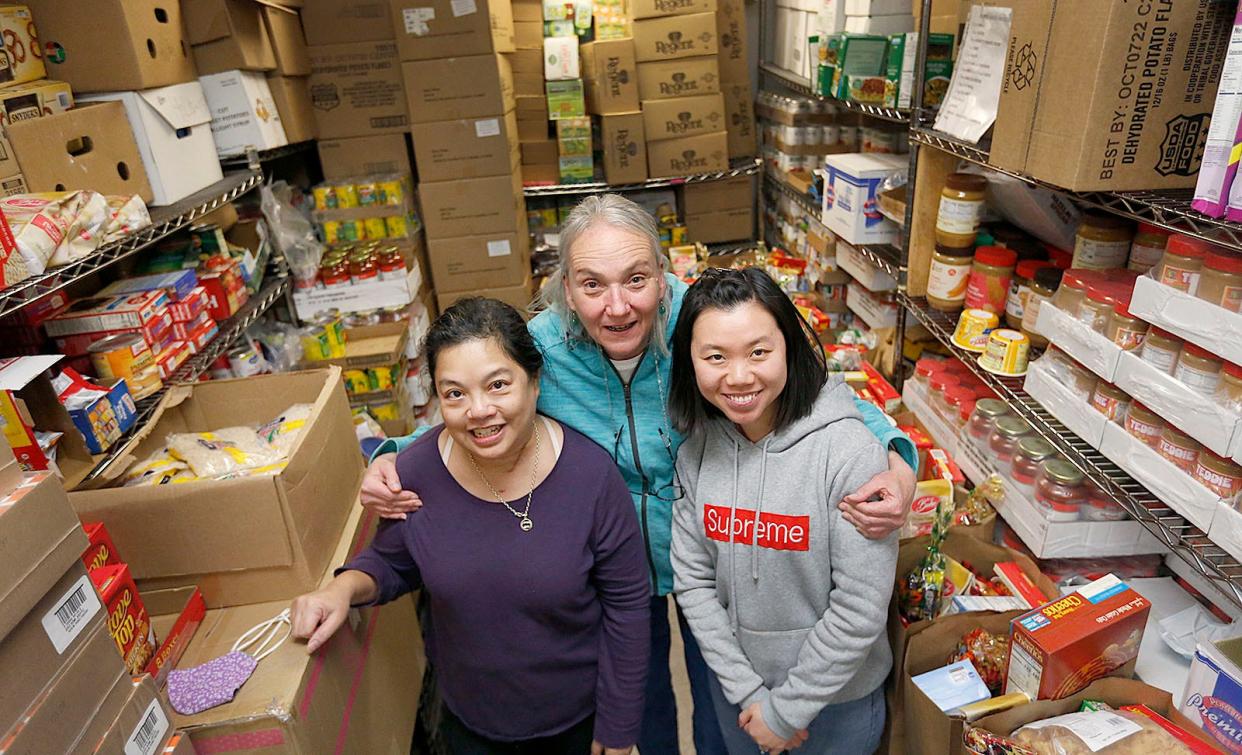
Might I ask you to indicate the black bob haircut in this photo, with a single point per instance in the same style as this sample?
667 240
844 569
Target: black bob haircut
719 288
478 318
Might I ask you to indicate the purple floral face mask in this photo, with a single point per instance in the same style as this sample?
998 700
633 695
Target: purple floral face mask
194 690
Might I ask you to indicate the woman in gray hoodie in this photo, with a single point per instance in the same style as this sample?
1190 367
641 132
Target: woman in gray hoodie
786 599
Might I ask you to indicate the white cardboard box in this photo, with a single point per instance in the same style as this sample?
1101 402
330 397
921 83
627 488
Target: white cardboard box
1071 335
1186 409
1178 490
829 17
1214 328
1213 692
1045 214
850 208
172 127
882 25
1226 530
360 297
1065 405
560 59
853 262
942 434
874 311
243 112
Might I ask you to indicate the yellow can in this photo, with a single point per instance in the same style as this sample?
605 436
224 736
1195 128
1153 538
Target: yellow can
314 343
126 357
1006 353
388 410
331 232
392 192
375 228
973 327
334 333
357 381
395 226
368 193
678 235
380 378
325 197
346 196
350 231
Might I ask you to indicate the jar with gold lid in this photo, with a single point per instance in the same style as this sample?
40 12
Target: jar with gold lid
961 208
1102 241
1221 280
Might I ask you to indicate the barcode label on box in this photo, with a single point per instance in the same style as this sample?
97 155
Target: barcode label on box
498 248
71 614
464 7
150 732
416 20
487 127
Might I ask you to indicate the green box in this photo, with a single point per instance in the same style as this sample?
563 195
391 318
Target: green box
853 55
566 99
937 69
577 169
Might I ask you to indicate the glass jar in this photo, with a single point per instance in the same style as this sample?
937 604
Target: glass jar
1147 247
1161 349
924 369
1111 401
1101 508
1179 448
1102 241
1032 452
1101 297
1003 442
953 398
1020 290
1124 329
964 410
948 277
961 207
1144 424
1221 280
1218 474
1043 287
1199 369
936 386
990 274
983 421
1060 490
1182 262
1229 392
1073 288
1082 381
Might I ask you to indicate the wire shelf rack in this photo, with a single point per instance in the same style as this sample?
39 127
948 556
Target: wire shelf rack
247 160
747 167
799 85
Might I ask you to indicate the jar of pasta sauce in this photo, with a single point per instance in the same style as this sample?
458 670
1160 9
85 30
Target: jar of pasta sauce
1004 440
983 420
1061 490
1101 508
1031 454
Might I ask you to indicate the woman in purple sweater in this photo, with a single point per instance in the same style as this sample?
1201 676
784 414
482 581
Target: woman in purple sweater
529 550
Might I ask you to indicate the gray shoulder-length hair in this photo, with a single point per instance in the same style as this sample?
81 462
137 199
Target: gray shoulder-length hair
618 212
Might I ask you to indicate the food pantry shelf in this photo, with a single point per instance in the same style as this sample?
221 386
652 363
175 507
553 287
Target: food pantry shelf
267 155
164 221
795 83
1168 208
746 167
1183 539
229 331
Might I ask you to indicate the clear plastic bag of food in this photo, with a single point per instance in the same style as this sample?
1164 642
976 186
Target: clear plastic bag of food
125 215
52 229
221 452
989 653
157 469
1099 732
283 431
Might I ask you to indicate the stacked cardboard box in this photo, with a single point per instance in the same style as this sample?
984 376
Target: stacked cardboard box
612 90
735 80
720 210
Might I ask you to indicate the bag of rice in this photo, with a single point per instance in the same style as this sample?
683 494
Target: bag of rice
283 431
221 452
156 469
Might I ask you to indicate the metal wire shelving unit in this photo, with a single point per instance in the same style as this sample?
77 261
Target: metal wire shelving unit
795 83
744 167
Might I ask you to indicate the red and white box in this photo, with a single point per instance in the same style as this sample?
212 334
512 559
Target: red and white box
172 358
189 308
157 332
199 339
102 314
182 330
101 551
128 621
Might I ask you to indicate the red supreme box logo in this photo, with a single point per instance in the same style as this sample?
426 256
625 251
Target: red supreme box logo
776 531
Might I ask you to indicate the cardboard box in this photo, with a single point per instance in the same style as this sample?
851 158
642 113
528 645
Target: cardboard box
176 615
683 77
468 263
429 29
106 313
89 147
1213 693
1171 484
227 35
1074 113
1187 316
243 113
731 27
334 22
1068 643
28 403
519 297
851 182
24 58
610 75
172 128
1064 404
350 696
470 148
357 89
528 35
561 61
142 725
364 155
540 153
566 99
675 37
279 545
532 118
293 103
713 196
104 420
284 29
25 102
361 297
683 116
723 225
740 121
454 88
473 206
527 68
179 744
101 552
624 145
10 470
655 8
688 156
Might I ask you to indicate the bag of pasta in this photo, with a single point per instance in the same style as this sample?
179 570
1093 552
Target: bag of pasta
222 452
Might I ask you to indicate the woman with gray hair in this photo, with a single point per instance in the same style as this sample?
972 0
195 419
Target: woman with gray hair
605 341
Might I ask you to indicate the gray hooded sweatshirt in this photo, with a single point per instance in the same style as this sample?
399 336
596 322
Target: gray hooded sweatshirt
787 600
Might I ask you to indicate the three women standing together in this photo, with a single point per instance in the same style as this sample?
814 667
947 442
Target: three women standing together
761 493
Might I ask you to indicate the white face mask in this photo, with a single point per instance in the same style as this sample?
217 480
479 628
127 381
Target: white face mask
194 690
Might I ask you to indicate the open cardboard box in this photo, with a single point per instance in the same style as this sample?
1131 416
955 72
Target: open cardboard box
871 277
1201 322
1199 416
379 345
1073 412
26 391
244 540
176 614
1213 692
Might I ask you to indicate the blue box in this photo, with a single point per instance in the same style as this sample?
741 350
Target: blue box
177 283
107 419
1213 695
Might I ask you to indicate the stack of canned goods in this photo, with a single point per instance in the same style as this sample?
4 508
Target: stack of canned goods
373 379
386 195
396 313
324 337
360 263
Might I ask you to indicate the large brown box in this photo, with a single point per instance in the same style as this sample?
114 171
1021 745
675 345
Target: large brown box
145 720
707 153
356 90
468 148
679 78
528 35
88 147
364 156
715 196
1090 102
610 75
468 263
675 37
532 118
519 297
740 121
731 26
428 29
227 35
284 28
683 116
293 102
453 88
625 149
248 539
334 22
655 8
115 45
737 224
527 73
540 153
473 206
525 10
22 102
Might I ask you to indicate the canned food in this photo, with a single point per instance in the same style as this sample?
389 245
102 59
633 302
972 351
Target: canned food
314 343
392 192
396 313
346 196
352 230
325 197
368 193
363 319
331 231
395 226
380 378
334 330
376 228
1006 353
356 381
973 327
126 357
245 361
207 240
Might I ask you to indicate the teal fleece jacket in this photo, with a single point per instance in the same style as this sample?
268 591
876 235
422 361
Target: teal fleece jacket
580 387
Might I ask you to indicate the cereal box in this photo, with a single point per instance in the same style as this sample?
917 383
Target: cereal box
1066 644
128 622
101 552
104 313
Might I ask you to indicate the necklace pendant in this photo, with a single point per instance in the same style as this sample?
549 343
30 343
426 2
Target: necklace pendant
526 524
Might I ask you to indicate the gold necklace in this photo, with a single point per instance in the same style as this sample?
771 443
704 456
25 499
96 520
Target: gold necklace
523 516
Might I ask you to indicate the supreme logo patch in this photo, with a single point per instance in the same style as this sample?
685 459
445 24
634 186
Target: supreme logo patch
776 531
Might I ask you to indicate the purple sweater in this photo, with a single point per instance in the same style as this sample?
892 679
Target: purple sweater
529 632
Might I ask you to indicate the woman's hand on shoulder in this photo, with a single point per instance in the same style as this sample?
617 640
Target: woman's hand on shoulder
381 490
880 507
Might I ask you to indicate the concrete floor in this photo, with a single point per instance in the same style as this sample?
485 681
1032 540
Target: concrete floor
681 686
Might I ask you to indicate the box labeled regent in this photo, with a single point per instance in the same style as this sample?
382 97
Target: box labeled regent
655 8
675 37
611 77
624 147
685 77
683 116
731 26
688 155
